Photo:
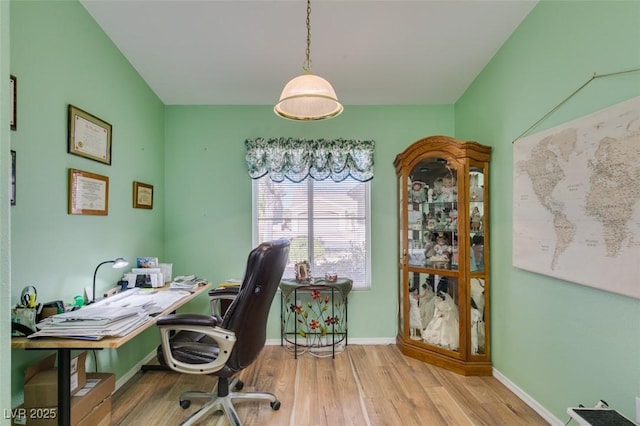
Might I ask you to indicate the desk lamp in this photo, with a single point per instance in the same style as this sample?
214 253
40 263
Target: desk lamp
118 263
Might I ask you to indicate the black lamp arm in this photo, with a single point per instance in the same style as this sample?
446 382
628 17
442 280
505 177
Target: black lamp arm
93 296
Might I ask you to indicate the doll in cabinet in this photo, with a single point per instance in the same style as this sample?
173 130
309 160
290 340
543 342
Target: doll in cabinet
439 256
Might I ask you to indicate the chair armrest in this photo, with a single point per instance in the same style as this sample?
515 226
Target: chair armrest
207 325
187 320
217 295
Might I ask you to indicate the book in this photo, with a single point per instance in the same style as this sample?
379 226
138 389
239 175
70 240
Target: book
147 262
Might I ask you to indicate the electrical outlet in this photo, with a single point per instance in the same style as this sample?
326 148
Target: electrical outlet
638 409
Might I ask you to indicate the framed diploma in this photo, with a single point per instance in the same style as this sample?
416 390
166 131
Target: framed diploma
142 195
13 114
88 193
89 136
12 188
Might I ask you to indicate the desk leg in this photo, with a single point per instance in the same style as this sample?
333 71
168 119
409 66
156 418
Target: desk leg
64 387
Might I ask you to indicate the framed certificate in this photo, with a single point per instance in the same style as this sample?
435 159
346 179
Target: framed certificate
13 114
89 136
142 195
88 193
12 189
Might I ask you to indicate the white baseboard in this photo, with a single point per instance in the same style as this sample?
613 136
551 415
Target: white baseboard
352 341
535 405
129 374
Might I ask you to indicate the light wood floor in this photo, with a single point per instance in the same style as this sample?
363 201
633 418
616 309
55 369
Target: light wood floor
364 385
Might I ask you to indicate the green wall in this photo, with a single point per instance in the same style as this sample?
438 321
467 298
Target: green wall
208 210
561 343
5 234
60 56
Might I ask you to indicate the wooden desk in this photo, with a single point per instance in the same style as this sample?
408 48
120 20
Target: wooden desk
65 346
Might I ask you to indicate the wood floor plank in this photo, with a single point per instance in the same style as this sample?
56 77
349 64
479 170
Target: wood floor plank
366 385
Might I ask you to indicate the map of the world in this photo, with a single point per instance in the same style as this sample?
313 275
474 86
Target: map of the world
576 200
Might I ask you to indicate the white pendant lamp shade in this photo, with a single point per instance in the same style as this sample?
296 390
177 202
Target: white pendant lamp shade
308 97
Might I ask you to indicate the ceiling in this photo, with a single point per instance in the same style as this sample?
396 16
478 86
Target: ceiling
241 52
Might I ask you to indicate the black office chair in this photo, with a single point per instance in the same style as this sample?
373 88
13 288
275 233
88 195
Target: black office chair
224 346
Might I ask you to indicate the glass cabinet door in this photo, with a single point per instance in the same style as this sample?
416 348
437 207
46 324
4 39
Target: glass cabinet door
476 218
433 245
477 226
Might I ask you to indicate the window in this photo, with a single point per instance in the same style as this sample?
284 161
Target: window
334 216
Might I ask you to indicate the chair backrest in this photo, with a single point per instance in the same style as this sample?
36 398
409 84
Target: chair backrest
247 315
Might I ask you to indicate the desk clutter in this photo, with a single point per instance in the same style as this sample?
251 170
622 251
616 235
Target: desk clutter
90 395
111 317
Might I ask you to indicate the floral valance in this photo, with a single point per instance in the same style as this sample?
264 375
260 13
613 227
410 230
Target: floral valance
295 159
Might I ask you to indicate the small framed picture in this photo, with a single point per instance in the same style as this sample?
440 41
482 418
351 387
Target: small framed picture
142 195
88 193
13 110
89 136
303 272
12 189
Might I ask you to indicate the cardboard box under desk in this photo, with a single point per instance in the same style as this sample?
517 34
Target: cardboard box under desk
90 406
41 381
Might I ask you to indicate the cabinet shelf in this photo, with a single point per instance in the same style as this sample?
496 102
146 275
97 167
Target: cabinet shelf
443 246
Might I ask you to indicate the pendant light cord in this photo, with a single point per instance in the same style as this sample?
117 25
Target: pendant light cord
307 63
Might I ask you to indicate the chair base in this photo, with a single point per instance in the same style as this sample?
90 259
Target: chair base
215 403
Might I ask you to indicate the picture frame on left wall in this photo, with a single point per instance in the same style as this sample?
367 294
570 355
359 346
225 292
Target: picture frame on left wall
12 189
13 95
142 195
89 136
88 193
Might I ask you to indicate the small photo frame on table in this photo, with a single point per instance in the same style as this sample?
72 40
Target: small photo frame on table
13 111
89 136
142 195
88 193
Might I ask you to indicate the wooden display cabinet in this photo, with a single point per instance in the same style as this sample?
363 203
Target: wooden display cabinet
443 271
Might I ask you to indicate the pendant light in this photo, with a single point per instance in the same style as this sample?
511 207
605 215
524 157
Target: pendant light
308 97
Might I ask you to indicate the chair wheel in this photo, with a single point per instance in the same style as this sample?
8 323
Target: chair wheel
185 403
275 405
239 385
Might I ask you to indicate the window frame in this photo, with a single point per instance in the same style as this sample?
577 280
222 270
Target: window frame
367 207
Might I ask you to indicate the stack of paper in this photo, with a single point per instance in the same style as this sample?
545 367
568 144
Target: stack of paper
92 323
115 316
188 282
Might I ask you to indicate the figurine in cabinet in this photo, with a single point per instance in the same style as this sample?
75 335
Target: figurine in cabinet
453 223
440 254
415 321
475 190
476 219
427 306
477 316
477 253
417 192
431 222
443 329
449 191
